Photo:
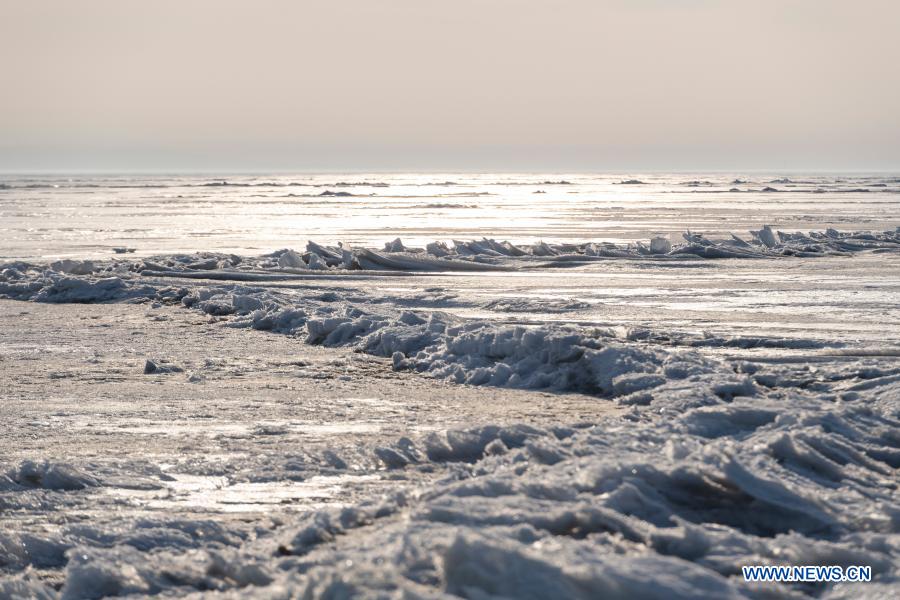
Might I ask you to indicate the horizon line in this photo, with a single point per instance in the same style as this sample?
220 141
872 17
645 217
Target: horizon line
454 171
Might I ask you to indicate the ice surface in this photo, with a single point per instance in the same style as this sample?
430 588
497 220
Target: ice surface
262 214
715 463
654 506
667 502
469 351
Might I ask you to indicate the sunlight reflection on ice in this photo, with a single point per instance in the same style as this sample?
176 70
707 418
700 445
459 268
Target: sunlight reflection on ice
215 494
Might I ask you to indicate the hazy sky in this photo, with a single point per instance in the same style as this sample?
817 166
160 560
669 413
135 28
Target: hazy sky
449 84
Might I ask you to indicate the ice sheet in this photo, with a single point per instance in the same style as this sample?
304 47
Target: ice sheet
735 445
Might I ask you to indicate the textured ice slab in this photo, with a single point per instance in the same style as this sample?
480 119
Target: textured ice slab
665 502
491 255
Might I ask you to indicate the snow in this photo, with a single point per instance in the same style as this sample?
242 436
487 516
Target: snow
471 351
713 461
661 503
592 512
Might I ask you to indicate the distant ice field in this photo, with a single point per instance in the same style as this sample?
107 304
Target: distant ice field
86 217
849 301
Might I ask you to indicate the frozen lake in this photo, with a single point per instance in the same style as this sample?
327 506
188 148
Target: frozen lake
42 217
580 412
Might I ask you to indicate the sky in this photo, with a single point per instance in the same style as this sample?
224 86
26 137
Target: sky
449 85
